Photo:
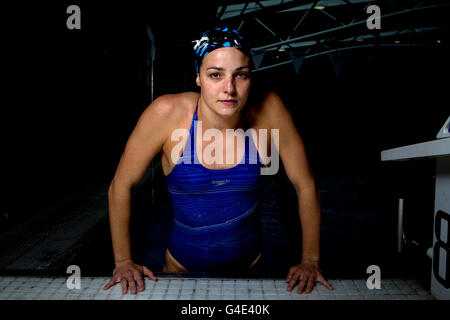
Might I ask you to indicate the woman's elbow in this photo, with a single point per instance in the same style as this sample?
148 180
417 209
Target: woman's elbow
118 187
308 186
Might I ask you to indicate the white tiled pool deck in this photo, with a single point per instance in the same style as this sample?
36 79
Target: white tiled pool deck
91 288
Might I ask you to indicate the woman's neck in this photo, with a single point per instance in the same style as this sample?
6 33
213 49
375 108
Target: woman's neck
211 119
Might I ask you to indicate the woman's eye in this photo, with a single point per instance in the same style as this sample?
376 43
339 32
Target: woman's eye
242 75
214 75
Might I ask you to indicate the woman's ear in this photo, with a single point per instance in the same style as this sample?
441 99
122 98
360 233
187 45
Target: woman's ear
197 80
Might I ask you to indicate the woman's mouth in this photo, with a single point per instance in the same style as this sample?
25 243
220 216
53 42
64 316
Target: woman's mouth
228 102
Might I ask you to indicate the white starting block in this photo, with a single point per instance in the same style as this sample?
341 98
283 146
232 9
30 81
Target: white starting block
445 130
440 150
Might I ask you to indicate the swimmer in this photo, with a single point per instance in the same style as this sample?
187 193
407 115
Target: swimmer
215 203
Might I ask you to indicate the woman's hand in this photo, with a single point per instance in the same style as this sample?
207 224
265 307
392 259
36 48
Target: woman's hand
307 273
129 274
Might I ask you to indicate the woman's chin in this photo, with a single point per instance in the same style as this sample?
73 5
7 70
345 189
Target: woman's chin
228 111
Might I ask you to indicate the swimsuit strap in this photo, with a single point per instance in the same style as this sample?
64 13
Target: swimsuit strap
195 113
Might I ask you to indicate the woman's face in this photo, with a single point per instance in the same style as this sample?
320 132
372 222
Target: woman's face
224 79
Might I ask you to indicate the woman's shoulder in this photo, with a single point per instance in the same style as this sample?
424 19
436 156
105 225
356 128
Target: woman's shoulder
265 105
269 98
169 111
262 99
173 107
175 102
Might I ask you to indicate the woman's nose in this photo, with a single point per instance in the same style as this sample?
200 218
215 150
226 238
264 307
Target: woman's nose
229 86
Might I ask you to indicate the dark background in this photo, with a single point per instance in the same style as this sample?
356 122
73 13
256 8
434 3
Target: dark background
73 97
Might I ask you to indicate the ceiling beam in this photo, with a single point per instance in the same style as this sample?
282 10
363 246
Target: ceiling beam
351 25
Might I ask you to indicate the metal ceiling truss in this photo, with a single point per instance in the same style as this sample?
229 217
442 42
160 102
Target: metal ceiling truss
292 30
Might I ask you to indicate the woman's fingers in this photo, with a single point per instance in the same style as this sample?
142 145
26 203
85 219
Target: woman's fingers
124 283
149 274
139 280
132 286
112 282
131 278
324 282
306 279
310 284
293 279
301 286
290 273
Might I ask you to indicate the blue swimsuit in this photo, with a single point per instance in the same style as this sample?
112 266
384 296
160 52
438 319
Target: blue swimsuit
216 225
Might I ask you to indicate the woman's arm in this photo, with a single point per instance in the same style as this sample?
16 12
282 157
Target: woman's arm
292 153
144 143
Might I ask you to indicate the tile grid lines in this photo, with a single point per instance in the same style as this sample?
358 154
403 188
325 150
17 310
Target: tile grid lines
48 288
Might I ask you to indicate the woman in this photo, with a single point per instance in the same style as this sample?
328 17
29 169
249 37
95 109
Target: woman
215 202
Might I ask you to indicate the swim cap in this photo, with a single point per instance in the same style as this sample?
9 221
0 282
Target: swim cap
219 37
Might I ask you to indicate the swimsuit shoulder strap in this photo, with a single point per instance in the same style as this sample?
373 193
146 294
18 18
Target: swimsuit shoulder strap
195 113
193 132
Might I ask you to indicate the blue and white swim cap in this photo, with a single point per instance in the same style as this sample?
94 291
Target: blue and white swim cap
219 37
